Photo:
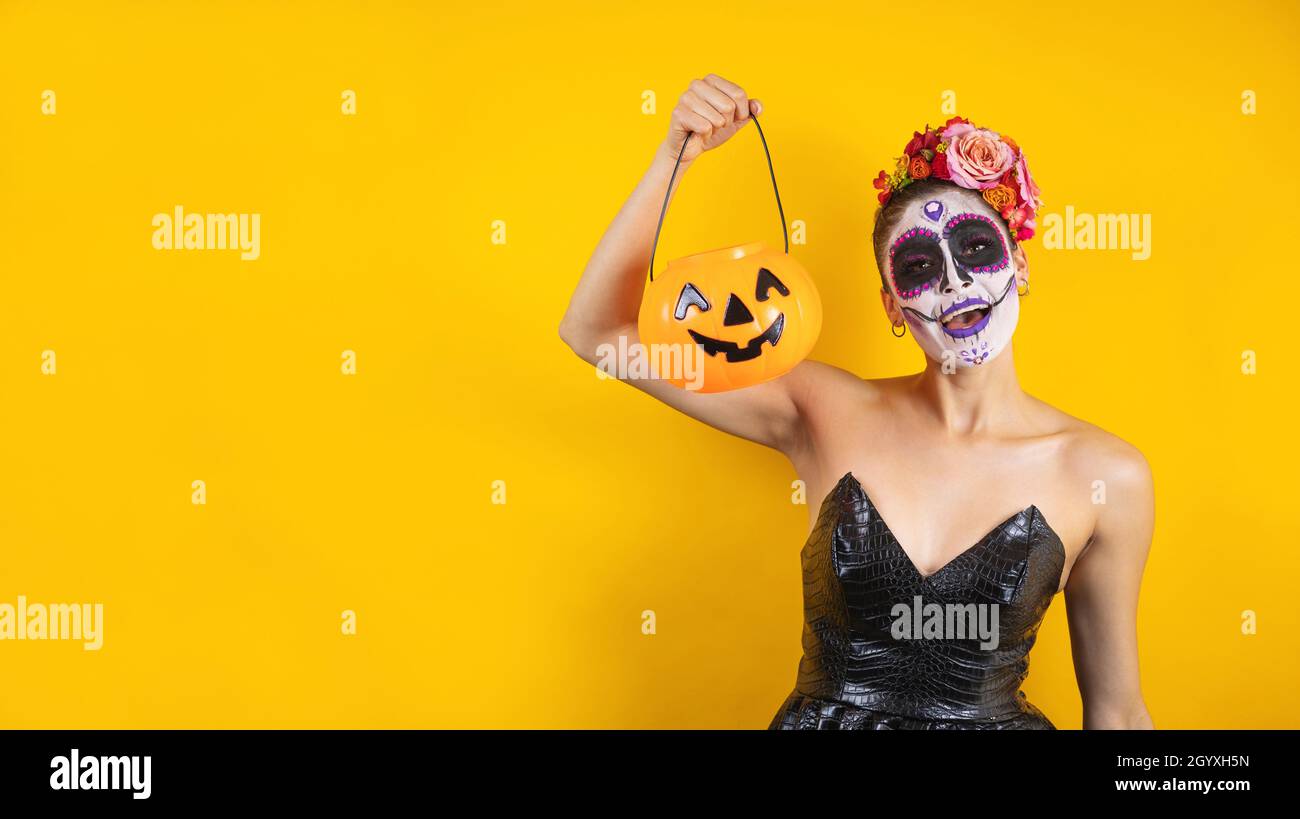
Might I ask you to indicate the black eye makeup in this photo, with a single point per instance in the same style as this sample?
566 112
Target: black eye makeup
915 262
975 243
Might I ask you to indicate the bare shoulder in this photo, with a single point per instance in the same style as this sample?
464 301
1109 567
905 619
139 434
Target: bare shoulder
1103 462
1089 449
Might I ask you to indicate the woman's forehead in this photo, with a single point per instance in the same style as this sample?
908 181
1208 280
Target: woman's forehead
933 213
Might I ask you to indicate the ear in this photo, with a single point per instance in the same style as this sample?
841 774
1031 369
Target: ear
892 309
1022 266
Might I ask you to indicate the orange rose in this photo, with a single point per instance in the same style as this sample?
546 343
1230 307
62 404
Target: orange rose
1000 197
918 168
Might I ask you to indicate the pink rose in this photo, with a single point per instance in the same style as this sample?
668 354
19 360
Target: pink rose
1029 191
956 130
977 159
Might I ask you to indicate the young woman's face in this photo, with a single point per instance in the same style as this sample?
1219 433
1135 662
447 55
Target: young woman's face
950 268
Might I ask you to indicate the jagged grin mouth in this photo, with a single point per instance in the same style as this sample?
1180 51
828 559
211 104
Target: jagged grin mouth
967 317
734 351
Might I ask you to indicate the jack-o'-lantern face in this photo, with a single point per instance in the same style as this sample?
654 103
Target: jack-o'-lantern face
752 311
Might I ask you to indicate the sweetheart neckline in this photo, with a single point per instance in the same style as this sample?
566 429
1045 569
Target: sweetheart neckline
1028 510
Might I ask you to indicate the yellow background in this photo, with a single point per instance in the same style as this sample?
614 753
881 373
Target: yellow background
373 492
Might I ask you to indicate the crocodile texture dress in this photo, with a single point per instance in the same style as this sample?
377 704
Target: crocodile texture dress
868 664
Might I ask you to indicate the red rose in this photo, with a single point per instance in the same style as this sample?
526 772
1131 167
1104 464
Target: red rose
918 168
939 166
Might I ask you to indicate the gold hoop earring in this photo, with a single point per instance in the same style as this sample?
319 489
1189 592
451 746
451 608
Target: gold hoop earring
1025 292
898 335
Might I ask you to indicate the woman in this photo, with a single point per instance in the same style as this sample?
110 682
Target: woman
949 454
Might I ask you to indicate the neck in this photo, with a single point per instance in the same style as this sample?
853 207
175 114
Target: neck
971 400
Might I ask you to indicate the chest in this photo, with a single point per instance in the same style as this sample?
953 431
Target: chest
939 498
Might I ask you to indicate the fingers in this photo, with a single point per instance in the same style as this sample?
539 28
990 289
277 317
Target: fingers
711 105
725 108
693 122
737 95
704 109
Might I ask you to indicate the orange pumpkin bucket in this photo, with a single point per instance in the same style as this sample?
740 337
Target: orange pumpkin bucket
752 311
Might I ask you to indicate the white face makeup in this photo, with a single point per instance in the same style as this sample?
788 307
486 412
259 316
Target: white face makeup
950 268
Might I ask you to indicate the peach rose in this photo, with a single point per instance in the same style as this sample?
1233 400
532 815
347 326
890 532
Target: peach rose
977 158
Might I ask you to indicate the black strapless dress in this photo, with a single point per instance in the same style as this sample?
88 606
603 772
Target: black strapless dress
855 673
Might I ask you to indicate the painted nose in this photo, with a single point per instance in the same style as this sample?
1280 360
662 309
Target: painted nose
954 279
737 312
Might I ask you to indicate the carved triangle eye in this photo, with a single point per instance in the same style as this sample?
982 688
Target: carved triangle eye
737 312
690 297
766 281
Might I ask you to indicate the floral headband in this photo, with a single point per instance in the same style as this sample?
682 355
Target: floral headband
974 158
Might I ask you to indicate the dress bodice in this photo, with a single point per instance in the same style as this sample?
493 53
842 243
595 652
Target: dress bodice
885 646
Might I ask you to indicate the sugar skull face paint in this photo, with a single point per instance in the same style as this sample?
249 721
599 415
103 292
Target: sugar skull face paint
953 275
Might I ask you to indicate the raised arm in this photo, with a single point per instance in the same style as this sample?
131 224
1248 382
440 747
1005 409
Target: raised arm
605 304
